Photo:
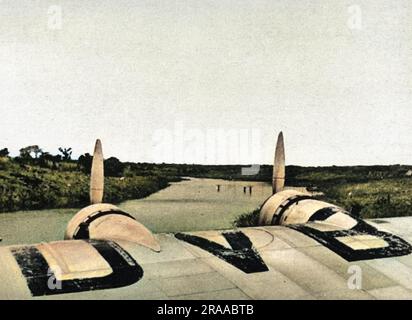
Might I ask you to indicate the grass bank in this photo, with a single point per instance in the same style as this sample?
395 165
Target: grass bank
31 187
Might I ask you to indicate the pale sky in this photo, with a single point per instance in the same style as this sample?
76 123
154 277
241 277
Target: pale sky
334 76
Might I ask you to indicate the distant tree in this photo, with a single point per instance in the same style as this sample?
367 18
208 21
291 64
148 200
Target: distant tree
4 152
113 167
84 163
57 158
46 156
37 151
26 153
66 153
46 159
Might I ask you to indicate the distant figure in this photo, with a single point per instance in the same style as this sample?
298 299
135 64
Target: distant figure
250 190
244 189
218 188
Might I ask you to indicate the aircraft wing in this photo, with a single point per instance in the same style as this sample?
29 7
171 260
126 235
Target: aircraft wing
268 262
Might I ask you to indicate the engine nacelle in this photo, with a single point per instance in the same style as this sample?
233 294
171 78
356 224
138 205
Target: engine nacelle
293 207
107 222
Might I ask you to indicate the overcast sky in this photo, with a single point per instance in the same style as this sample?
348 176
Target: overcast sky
209 81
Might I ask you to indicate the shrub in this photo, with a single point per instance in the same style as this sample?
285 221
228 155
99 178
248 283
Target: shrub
249 219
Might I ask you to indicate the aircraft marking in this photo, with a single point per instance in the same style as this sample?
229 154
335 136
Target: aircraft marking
396 245
324 213
242 255
82 232
36 270
286 205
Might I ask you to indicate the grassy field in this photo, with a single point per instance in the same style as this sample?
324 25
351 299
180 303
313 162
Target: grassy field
374 199
366 191
32 187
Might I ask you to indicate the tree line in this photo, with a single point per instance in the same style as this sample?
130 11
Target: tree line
34 155
37 179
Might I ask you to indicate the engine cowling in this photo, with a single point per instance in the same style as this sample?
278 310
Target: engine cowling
295 207
105 221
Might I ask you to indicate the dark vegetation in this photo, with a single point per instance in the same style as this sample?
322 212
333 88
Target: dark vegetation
366 191
248 219
37 179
